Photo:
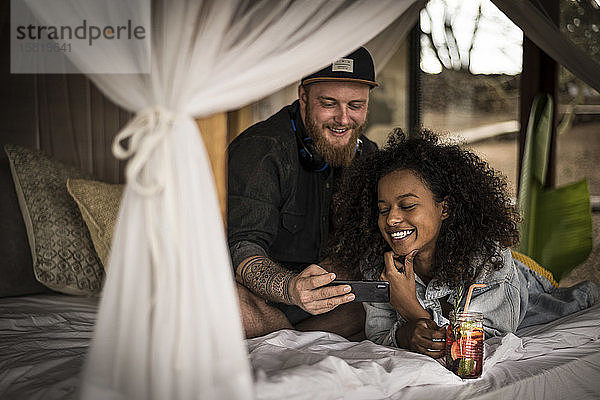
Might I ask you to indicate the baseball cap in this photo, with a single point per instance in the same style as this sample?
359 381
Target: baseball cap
355 67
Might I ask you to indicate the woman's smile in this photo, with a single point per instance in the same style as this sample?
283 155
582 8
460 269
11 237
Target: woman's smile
402 234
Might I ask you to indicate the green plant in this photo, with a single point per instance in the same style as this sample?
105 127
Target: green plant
556 227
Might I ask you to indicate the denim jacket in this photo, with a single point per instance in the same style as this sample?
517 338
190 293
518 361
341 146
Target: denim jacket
514 297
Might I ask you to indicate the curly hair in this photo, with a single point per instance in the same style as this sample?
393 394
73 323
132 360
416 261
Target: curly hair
481 220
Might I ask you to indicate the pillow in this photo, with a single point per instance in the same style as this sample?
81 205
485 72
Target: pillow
99 206
63 254
16 266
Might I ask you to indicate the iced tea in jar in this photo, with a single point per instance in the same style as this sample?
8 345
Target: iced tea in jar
464 344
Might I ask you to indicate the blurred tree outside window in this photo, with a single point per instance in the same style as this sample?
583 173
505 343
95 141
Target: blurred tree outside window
471 56
471 60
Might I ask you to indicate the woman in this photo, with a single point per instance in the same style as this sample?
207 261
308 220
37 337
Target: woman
432 219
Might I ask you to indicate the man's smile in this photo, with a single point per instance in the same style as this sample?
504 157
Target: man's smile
338 131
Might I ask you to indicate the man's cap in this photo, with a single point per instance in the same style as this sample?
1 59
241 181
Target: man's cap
356 67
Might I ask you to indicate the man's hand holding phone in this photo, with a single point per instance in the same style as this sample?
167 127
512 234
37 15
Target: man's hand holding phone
309 290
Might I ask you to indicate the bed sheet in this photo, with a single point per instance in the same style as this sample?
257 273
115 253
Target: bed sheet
43 344
44 340
553 361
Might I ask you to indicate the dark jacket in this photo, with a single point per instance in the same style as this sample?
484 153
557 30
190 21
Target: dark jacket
275 207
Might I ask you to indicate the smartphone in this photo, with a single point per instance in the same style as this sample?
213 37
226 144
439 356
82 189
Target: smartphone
369 291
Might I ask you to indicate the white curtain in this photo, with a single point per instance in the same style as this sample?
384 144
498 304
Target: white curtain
168 325
547 36
382 47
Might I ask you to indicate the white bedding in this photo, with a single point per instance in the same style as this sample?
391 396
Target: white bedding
558 360
44 340
43 343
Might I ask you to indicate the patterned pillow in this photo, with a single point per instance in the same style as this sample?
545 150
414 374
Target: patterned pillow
63 254
99 206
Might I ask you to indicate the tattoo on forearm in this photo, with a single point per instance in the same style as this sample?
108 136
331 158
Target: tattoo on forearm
267 279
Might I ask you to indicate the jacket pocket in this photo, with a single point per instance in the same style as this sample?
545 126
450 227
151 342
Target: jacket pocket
292 223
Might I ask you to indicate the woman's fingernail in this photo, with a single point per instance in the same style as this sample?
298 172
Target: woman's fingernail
347 289
350 297
413 253
332 276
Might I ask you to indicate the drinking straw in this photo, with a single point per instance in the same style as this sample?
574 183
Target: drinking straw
473 286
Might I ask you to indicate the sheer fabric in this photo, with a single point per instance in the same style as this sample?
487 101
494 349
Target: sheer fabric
547 36
382 47
168 325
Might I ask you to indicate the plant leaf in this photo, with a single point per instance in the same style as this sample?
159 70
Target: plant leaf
534 164
556 227
563 228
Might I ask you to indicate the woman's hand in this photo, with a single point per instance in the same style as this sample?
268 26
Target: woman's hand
422 336
403 296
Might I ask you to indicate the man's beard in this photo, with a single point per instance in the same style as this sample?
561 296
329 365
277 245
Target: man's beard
336 156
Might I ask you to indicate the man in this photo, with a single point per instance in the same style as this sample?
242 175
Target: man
282 173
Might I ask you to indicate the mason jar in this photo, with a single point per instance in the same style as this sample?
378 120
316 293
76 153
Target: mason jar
464 344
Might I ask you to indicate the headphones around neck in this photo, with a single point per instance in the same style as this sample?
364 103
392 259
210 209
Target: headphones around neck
310 159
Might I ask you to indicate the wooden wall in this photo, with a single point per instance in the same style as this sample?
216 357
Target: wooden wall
67 117
217 131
